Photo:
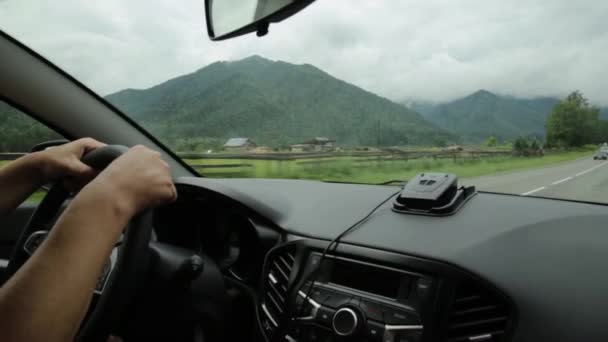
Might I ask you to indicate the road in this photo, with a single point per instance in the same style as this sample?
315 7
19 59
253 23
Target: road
582 179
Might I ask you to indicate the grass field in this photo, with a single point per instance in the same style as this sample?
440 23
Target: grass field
372 170
365 169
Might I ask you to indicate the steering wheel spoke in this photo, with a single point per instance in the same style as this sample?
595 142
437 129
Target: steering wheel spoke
106 272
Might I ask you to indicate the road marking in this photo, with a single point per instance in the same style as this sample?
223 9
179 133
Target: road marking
565 179
562 180
533 191
591 169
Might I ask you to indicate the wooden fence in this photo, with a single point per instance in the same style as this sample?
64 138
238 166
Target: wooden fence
361 155
388 155
242 165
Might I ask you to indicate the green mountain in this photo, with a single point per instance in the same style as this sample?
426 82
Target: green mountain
482 114
273 103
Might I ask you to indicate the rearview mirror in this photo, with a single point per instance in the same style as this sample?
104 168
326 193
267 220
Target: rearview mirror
232 18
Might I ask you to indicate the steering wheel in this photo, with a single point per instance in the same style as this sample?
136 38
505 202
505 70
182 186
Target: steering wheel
119 278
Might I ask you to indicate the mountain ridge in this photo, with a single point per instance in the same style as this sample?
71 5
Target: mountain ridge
282 103
483 113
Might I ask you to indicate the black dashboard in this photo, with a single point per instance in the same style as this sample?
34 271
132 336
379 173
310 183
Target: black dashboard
503 268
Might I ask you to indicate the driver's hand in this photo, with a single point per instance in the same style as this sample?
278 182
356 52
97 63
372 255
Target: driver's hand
137 180
63 162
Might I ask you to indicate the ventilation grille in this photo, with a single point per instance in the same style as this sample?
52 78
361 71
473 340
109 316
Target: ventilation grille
276 283
478 315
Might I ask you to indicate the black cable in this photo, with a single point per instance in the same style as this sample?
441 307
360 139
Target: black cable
393 181
315 274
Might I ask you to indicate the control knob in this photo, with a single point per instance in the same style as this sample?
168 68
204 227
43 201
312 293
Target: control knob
345 322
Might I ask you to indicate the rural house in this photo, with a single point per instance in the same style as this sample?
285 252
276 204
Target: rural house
238 145
299 148
321 144
317 144
261 149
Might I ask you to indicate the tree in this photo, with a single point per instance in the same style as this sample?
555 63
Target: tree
601 135
520 145
19 132
572 122
491 142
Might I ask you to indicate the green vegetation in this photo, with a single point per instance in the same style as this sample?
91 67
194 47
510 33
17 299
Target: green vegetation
19 132
527 146
274 104
491 142
574 122
483 114
36 196
372 170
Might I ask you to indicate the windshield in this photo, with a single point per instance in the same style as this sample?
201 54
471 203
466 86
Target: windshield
508 95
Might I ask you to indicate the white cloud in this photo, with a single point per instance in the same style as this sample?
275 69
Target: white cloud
432 49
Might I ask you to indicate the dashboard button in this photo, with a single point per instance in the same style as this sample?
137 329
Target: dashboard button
313 263
320 294
314 334
325 315
400 317
423 287
374 330
336 299
314 260
372 310
409 336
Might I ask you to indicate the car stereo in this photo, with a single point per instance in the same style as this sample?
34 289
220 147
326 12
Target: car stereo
360 301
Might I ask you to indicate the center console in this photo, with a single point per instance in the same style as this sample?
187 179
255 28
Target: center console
361 300
359 294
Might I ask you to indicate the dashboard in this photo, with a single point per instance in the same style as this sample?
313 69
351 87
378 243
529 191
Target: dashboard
503 268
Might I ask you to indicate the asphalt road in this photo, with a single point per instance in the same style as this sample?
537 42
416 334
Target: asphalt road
582 179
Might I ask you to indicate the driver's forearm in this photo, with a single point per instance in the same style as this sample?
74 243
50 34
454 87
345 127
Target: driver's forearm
53 289
18 180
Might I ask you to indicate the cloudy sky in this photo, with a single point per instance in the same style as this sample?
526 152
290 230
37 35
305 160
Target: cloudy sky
433 50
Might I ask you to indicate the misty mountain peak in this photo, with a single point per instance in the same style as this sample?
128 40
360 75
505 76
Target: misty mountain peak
254 59
482 93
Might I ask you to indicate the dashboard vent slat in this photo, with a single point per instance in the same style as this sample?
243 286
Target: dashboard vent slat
284 273
276 283
278 293
478 315
474 310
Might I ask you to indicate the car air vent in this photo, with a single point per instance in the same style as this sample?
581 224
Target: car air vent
276 284
478 315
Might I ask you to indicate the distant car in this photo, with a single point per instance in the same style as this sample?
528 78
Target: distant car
603 155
